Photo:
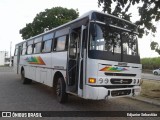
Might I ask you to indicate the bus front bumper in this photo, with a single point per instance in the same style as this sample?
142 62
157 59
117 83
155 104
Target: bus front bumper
99 93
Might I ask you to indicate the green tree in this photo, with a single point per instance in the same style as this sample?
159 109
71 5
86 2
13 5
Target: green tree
149 12
48 19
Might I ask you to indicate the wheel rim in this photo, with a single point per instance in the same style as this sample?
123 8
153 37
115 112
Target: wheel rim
155 73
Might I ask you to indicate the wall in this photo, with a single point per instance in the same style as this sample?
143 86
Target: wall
3 55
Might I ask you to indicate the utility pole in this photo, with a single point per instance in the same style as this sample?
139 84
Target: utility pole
10 64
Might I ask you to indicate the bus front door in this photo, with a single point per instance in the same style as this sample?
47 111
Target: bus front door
75 61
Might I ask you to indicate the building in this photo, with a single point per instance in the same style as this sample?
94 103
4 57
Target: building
4 58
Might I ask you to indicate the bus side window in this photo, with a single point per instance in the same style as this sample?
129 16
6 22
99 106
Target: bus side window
24 48
30 46
47 42
37 47
16 52
29 49
23 52
47 45
61 43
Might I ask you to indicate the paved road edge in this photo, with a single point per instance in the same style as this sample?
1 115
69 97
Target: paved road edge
147 100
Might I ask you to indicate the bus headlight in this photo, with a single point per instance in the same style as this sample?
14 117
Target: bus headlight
106 81
100 80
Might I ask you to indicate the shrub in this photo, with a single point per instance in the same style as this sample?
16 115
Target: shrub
150 63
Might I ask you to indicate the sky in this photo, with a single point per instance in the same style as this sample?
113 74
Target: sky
15 14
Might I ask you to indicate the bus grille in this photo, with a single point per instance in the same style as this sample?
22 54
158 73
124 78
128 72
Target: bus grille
120 74
121 81
120 92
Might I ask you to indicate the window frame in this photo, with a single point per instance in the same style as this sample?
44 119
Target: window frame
47 37
24 47
66 43
28 48
43 43
23 50
16 52
37 40
35 48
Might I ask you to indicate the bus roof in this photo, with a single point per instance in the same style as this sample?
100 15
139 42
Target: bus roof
88 14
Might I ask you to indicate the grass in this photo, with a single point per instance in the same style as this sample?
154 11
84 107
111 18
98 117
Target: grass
151 89
150 63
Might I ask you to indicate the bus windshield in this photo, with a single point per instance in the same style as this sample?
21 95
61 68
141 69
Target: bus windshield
112 41
105 38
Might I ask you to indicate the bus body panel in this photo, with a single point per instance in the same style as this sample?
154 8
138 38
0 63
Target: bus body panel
99 90
38 67
59 60
99 69
44 71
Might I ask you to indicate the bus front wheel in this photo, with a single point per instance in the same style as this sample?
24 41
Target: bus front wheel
62 96
25 80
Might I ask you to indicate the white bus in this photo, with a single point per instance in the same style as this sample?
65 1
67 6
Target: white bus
93 57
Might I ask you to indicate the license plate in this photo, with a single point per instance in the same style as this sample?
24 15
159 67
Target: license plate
122 64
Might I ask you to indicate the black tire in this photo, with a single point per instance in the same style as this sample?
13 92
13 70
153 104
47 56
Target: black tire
61 94
155 73
25 80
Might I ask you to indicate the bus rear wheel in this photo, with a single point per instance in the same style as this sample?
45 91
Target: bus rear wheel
62 96
25 80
